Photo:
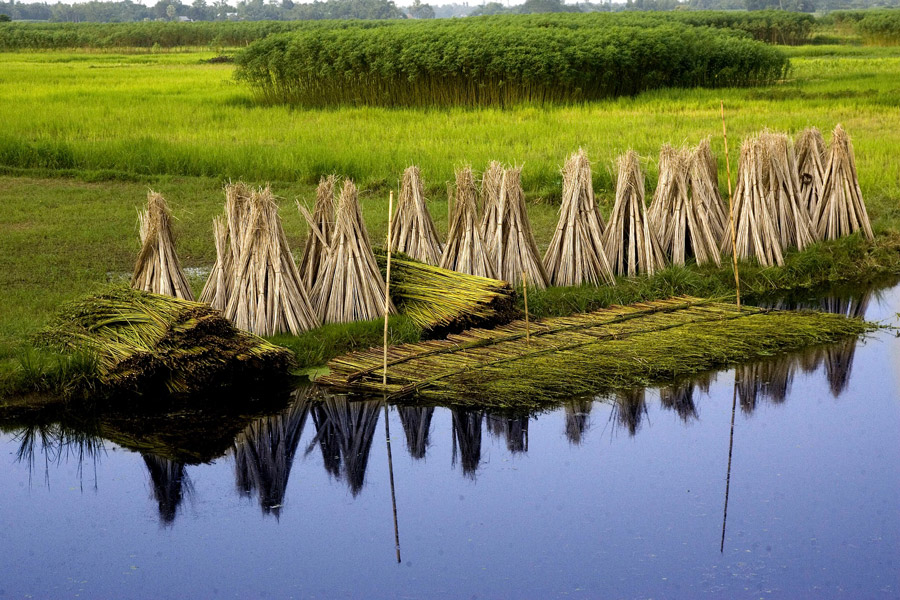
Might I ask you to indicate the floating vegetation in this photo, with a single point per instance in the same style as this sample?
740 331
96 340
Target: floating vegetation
349 286
629 239
142 342
519 365
466 250
841 210
576 254
157 268
412 230
439 300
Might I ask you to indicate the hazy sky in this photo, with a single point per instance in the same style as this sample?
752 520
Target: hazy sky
233 2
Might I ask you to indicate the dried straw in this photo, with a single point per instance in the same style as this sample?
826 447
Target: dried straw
703 179
157 268
756 235
491 217
783 184
466 251
576 254
810 151
268 295
513 246
350 286
680 219
218 284
629 240
413 231
841 210
318 239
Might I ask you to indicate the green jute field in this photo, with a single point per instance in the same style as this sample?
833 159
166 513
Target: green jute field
84 135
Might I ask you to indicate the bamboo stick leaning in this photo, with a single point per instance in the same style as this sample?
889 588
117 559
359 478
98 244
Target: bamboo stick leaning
629 239
157 268
576 253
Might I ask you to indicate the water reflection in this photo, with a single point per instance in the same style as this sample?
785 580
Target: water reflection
629 410
344 433
514 430
264 453
680 398
169 485
467 439
578 415
417 427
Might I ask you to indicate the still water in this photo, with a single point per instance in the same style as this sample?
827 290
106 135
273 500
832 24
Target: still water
609 497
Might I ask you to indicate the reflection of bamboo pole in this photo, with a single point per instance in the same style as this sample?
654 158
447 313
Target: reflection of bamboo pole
387 293
387 437
525 291
728 477
737 282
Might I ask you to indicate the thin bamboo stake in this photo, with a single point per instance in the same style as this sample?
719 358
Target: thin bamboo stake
525 292
387 302
734 258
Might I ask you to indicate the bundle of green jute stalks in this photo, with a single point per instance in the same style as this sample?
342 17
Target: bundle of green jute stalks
442 301
142 342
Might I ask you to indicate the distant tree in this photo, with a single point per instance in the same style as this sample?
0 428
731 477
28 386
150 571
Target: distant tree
170 11
546 6
5 18
491 8
421 11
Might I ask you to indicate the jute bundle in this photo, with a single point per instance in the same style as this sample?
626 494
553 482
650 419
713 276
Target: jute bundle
629 240
412 230
576 254
349 286
466 251
218 284
755 233
810 151
157 268
783 187
513 247
703 179
841 210
680 219
268 296
491 216
317 241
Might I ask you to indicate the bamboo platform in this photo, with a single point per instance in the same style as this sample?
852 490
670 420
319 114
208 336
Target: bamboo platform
527 364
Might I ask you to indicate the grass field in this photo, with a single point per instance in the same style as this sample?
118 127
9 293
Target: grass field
85 134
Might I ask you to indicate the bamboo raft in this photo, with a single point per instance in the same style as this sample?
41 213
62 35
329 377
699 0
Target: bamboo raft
528 365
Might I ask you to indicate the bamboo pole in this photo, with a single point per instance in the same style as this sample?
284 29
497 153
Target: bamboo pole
737 280
387 437
728 477
525 291
387 295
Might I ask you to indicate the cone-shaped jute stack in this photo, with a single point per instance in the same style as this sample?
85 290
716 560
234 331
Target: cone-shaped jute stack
629 240
268 295
791 218
754 225
227 232
680 219
157 268
513 247
810 151
318 240
412 230
350 286
704 184
841 210
218 285
576 254
491 217
466 251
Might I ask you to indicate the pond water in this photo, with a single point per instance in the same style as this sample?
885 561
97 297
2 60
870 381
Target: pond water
612 497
